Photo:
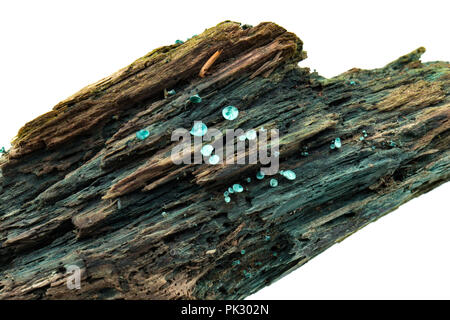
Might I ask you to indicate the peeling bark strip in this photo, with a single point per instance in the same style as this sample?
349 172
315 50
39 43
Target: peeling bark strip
79 189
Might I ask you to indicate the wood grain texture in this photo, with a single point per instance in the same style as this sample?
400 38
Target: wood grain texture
78 188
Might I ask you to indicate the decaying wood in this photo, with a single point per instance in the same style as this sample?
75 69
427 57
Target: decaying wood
78 188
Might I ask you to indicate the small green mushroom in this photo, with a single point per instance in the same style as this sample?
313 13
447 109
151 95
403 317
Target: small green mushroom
195 98
273 183
142 134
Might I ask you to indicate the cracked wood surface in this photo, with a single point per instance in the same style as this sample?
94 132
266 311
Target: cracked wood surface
78 188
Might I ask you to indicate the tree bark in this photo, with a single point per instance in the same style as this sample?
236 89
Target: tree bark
78 187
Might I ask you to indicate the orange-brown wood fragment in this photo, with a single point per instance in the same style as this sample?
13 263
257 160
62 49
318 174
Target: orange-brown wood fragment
209 63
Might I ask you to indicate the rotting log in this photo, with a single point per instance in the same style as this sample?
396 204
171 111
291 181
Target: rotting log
78 188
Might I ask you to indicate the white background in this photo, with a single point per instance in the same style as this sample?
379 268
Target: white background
50 49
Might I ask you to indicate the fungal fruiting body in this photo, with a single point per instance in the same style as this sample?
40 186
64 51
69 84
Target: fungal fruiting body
207 149
199 129
260 175
214 159
251 134
237 188
336 143
195 98
142 134
230 112
288 174
273 183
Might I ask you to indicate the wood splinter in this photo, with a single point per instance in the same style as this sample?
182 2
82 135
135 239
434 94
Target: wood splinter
209 63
